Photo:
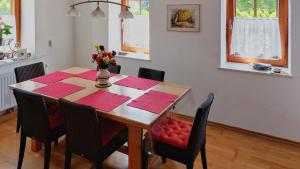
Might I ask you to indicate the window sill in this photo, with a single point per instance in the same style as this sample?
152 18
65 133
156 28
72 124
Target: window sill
135 56
240 67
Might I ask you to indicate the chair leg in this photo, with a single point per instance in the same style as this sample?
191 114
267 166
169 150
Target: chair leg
47 155
68 159
203 158
190 165
56 142
22 150
99 165
164 159
18 123
144 160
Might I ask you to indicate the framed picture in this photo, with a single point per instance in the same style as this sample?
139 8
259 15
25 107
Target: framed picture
184 18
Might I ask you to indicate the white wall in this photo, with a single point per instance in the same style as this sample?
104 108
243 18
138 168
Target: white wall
88 31
52 24
44 20
260 103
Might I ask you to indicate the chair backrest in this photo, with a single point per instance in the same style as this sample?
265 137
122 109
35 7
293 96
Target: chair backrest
197 138
29 71
152 74
114 69
83 135
33 115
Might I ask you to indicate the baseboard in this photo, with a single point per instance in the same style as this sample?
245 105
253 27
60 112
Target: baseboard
237 129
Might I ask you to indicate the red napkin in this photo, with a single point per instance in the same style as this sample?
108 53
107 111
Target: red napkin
137 83
52 77
91 75
153 101
59 89
104 101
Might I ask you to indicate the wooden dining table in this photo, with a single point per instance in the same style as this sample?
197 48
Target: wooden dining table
136 119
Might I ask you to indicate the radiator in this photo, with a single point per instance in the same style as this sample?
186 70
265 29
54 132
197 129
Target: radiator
7 99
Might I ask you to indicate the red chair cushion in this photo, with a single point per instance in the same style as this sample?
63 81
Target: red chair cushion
55 117
173 132
110 129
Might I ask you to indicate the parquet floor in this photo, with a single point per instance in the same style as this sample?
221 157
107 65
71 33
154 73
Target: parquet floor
226 149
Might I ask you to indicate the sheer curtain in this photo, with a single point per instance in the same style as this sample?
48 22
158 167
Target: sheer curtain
256 38
136 31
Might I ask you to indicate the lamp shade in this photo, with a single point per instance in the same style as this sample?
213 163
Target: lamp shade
126 14
98 13
73 12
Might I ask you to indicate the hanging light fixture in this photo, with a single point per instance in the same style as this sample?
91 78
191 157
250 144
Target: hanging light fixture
98 13
125 14
73 12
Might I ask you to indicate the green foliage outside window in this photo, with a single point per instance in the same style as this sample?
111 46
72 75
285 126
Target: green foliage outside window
139 7
5 7
264 8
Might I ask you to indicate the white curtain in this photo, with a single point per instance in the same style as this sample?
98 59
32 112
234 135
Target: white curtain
136 31
256 38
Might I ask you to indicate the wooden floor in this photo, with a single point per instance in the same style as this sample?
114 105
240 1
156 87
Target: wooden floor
226 149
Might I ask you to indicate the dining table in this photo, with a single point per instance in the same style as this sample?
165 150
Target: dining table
136 117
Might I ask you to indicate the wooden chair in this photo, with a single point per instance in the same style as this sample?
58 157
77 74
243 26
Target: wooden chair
38 122
28 72
114 69
180 140
90 136
151 74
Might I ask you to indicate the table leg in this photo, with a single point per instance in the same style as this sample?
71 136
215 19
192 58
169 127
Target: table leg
135 147
35 145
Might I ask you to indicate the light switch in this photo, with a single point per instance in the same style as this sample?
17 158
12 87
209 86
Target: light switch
50 43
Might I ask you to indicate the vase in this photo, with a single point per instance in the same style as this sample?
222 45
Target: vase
103 76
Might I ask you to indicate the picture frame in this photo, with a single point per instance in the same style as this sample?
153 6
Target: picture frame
183 17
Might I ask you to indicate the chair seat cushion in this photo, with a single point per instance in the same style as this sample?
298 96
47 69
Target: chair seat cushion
173 132
110 129
55 116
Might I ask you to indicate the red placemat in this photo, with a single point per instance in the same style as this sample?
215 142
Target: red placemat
91 75
153 101
104 101
59 89
137 83
52 77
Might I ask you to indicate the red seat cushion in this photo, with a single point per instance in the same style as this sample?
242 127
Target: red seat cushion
110 129
173 132
55 117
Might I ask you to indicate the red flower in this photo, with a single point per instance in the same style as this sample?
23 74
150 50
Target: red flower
94 56
110 55
98 60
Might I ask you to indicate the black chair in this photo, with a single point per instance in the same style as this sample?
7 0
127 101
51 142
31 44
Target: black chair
151 74
90 136
38 122
114 69
28 72
188 141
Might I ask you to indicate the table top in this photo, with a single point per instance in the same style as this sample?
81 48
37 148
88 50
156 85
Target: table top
123 113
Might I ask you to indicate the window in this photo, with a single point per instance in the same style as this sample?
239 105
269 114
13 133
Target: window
257 31
10 12
135 32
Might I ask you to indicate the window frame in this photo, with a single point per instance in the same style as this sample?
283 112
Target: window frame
283 15
124 46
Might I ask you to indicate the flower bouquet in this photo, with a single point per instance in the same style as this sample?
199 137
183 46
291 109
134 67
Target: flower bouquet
104 60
